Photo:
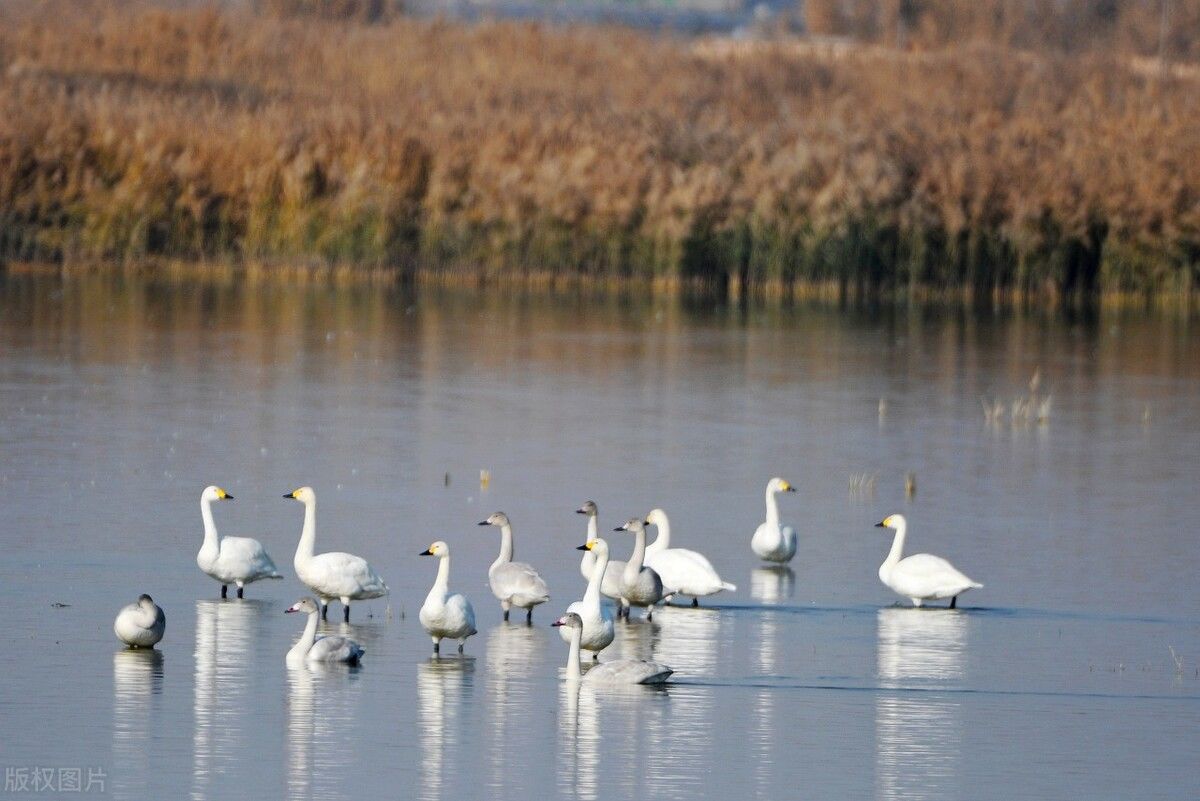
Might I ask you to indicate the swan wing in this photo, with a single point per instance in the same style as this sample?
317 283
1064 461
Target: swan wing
461 615
518 582
335 649
335 574
687 572
610 585
246 559
924 575
627 672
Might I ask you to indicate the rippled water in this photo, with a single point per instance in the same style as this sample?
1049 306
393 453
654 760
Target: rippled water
121 398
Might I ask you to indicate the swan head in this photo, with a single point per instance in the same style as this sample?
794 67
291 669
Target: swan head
496 519
891 521
780 485
438 549
657 517
633 525
596 546
304 495
146 601
570 620
589 508
305 604
215 493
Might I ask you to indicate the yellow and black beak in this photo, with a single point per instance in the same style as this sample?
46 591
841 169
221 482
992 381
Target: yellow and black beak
881 524
291 495
584 547
225 496
426 552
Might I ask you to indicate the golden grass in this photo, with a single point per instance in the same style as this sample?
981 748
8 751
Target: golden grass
502 151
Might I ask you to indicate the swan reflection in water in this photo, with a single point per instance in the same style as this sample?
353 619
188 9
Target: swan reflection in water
137 691
918 734
227 633
320 707
579 741
514 655
772 585
444 687
636 639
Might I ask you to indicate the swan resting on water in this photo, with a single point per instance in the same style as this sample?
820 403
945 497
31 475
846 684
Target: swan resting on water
687 572
922 576
140 624
597 620
343 576
617 672
772 540
514 583
230 560
311 648
445 614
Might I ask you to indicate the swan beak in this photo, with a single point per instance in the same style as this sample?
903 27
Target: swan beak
790 488
483 522
289 610
583 547
426 552
291 495
881 524
581 511
646 523
619 528
556 623
227 497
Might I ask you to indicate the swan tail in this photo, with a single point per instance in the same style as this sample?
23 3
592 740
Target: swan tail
975 585
275 576
725 585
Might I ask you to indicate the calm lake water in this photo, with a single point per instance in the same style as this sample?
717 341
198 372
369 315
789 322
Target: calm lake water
121 398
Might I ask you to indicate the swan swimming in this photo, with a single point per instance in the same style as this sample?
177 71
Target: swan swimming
311 648
922 576
140 624
773 541
445 614
343 576
617 672
597 620
610 584
687 572
230 560
640 585
514 583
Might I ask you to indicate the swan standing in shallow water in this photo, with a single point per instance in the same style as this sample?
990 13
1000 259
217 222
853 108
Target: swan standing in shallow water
598 631
610 583
311 648
686 572
640 585
140 624
514 583
773 541
230 560
617 672
922 576
343 576
445 614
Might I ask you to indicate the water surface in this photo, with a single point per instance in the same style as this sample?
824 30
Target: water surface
122 397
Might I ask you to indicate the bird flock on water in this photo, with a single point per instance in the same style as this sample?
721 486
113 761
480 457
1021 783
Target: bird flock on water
654 574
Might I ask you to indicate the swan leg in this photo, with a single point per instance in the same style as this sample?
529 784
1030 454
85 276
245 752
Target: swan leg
695 602
239 592
650 612
954 602
324 610
460 646
529 616
505 615
437 645
346 613
595 656
224 590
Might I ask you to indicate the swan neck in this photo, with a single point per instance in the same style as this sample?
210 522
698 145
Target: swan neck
593 528
442 582
772 508
663 541
305 643
211 538
897 546
573 672
634 565
592 596
506 546
308 535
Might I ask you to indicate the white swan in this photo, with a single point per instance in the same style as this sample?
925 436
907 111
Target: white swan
772 541
687 572
922 576
343 576
445 614
610 584
311 648
514 583
617 672
230 560
140 624
640 585
598 631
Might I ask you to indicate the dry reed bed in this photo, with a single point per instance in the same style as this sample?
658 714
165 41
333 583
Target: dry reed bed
499 149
